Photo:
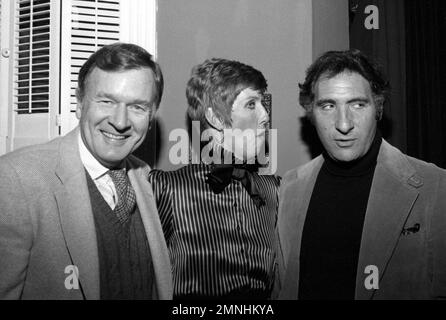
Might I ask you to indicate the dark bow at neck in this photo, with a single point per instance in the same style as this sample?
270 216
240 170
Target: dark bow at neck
221 175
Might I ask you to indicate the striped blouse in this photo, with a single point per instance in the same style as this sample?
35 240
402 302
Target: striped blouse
220 245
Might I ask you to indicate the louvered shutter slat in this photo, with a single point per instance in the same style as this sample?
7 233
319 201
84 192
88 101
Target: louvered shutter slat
103 5
32 56
96 20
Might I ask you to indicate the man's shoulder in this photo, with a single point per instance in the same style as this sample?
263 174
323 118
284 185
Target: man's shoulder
424 166
32 169
412 171
431 175
303 170
42 156
421 167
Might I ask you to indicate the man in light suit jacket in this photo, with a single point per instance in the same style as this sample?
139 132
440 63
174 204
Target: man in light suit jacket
77 215
362 220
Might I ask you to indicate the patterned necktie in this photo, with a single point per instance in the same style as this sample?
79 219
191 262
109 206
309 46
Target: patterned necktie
126 195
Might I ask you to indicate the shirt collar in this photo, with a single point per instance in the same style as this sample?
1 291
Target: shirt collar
94 168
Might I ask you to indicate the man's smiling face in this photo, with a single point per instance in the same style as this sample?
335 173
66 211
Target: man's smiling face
115 113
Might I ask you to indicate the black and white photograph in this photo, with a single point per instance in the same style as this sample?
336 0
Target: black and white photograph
222 158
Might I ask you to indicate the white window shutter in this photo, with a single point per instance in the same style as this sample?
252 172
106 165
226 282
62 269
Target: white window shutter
138 24
87 25
4 77
32 58
35 59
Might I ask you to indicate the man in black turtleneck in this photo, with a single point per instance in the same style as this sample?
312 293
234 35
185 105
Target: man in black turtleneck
329 271
362 220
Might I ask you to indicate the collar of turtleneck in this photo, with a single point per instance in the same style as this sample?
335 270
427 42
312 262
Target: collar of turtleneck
358 167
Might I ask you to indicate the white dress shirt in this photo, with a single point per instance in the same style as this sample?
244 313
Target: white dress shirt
98 174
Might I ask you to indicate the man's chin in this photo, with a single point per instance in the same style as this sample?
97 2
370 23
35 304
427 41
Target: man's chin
113 160
344 156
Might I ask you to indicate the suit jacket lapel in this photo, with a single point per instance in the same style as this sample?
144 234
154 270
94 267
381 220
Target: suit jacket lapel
298 194
390 201
155 236
76 216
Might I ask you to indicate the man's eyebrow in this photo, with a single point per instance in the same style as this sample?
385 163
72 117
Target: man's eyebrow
325 101
106 95
144 102
113 97
359 99
331 101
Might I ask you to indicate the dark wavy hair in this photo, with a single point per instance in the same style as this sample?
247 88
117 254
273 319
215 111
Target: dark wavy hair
118 57
215 84
333 63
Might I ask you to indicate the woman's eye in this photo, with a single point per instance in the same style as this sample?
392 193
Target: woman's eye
251 105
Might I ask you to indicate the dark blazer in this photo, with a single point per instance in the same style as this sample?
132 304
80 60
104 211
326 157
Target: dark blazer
404 233
46 224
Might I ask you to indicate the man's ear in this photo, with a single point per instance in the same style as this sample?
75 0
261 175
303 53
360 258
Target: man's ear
152 119
379 105
79 104
214 120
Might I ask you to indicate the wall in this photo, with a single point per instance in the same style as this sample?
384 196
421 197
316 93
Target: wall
275 37
330 26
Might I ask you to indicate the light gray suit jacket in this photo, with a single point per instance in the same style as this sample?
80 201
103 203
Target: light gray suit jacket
47 225
405 192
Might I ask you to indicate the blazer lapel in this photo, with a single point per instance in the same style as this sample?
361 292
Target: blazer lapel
154 232
292 214
390 202
76 216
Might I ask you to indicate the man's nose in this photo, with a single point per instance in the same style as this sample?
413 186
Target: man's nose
344 122
119 119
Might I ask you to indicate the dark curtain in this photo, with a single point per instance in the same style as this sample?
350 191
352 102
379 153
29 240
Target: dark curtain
387 46
410 46
426 85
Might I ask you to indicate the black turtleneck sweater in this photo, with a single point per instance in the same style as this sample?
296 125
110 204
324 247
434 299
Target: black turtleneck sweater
333 227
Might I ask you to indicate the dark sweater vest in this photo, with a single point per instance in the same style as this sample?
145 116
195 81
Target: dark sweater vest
125 264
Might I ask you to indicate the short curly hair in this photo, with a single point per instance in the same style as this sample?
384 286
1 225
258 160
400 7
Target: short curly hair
333 63
215 84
